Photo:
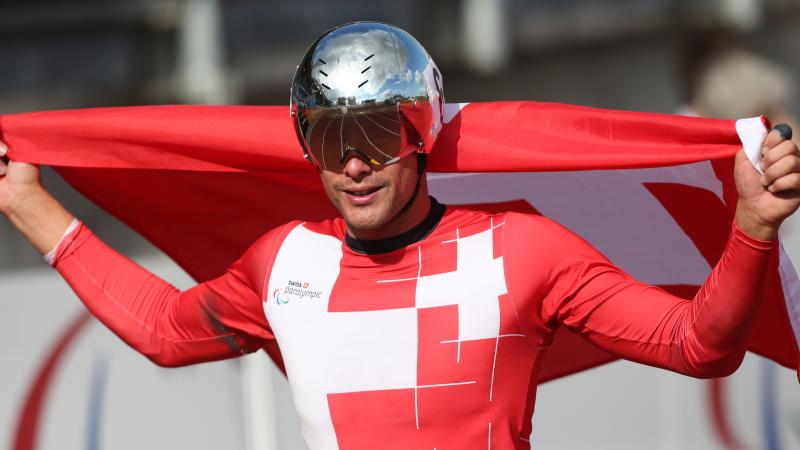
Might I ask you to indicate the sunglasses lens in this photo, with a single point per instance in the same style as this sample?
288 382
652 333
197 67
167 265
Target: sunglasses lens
372 131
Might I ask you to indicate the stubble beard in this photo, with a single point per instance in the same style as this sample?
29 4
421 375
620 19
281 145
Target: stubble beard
373 217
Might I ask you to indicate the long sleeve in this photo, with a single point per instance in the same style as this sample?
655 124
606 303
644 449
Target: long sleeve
214 320
577 287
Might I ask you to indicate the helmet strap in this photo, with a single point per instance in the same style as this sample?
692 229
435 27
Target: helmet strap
422 162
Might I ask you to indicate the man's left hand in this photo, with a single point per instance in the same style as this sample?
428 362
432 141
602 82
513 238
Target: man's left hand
765 201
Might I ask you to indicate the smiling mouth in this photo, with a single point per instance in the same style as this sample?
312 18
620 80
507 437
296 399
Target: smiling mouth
362 192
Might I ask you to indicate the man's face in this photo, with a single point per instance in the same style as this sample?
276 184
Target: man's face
370 198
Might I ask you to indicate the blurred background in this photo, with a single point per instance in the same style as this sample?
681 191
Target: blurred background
719 58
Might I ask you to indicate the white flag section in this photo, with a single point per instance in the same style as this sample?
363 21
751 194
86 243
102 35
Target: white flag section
752 133
605 208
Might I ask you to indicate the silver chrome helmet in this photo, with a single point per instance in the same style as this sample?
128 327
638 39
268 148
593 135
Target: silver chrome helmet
366 87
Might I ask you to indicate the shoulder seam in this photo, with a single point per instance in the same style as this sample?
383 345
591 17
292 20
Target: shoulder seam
283 231
528 332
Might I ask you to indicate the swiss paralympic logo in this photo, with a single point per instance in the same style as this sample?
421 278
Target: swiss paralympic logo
276 294
295 290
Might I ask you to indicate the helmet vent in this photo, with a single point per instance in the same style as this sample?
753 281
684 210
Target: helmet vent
323 72
368 67
369 57
363 83
326 86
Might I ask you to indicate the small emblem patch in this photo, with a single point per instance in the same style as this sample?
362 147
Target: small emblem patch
295 290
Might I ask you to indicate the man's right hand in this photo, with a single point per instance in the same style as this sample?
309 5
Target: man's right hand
35 213
16 178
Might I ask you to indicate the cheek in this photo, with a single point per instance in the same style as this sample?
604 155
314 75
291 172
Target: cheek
327 184
407 182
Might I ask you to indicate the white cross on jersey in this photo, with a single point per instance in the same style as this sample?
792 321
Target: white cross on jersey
337 352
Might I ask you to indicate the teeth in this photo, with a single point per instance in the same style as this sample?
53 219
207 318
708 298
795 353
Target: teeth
362 192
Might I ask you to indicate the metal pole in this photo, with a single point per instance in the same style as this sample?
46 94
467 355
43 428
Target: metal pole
201 61
486 38
259 403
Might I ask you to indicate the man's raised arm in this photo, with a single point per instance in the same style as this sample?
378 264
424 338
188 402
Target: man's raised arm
706 337
217 319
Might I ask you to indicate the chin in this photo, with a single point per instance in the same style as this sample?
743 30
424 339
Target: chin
365 220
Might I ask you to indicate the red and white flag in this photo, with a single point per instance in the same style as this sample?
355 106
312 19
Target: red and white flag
653 192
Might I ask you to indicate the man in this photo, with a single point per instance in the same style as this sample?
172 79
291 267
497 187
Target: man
404 323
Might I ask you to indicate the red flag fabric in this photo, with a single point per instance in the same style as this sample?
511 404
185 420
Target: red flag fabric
653 192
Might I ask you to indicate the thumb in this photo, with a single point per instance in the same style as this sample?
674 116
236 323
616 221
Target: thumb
743 163
746 177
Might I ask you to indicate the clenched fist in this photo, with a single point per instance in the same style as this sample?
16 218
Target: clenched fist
765 201
35 213
16 178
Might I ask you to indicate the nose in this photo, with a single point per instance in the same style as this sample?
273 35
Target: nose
355 167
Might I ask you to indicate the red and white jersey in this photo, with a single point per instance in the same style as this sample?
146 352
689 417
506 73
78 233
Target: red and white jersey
434 345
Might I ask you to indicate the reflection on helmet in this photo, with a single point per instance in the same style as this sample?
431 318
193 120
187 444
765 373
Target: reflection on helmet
369 88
